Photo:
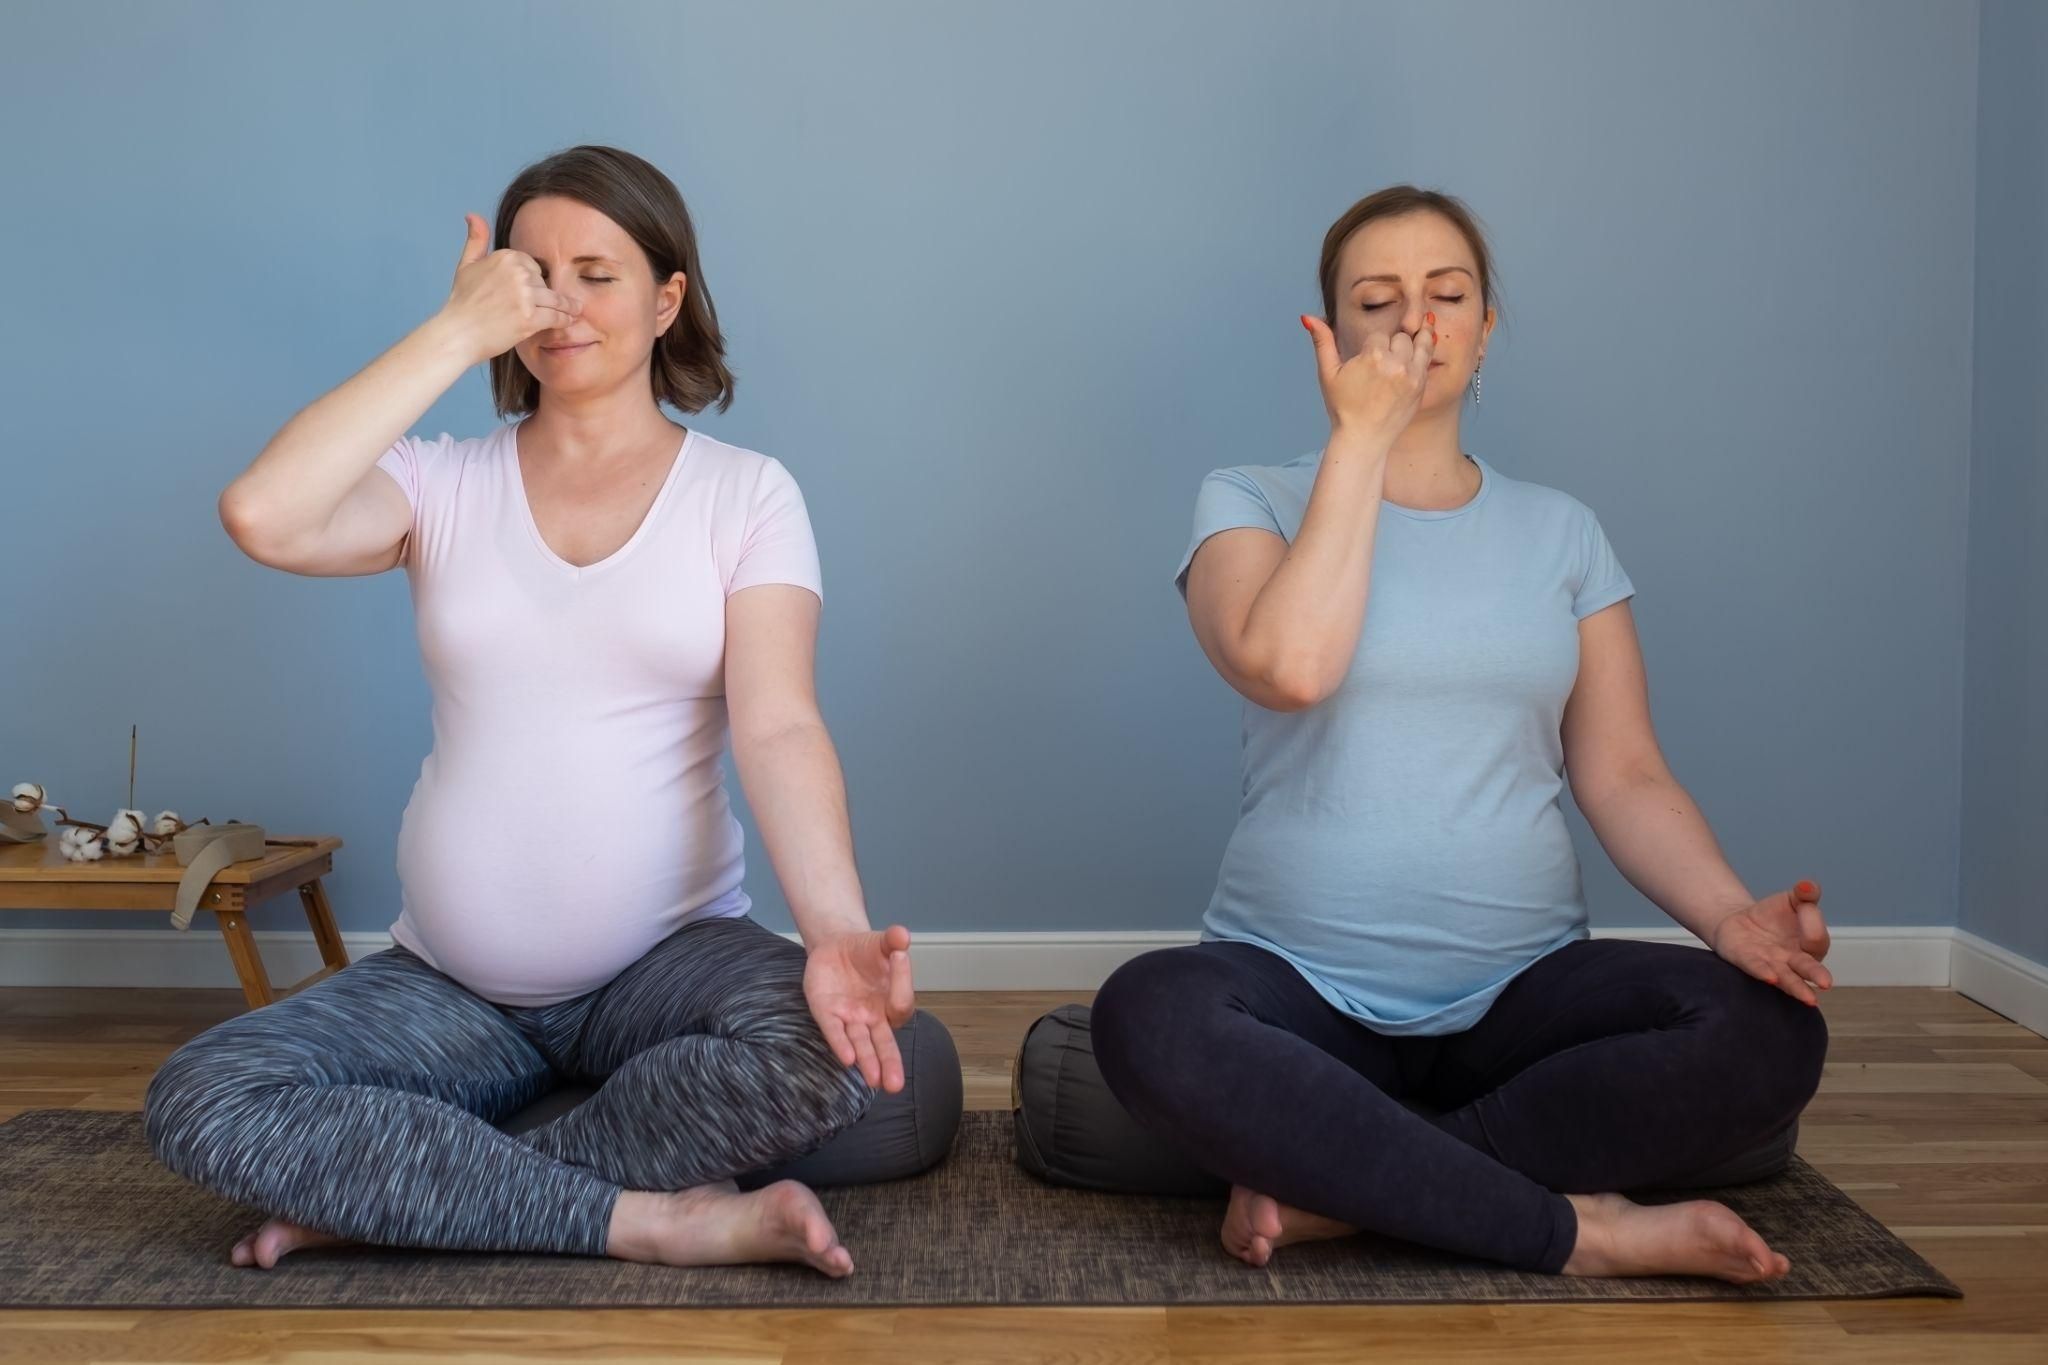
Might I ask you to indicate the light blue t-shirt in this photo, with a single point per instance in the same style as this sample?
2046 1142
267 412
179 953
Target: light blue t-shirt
1401 843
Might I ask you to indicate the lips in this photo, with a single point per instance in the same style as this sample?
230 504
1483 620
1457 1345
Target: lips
569 348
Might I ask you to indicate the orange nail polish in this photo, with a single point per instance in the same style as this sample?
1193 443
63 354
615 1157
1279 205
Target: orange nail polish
1429 318
1306 325
1806 890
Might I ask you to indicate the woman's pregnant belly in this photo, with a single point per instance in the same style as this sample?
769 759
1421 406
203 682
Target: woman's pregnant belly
537 878
1407 923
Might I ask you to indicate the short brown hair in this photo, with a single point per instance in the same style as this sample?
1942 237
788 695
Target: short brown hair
687 367
1392 202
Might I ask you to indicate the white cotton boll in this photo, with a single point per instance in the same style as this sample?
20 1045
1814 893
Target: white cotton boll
81 845
167 824
28 796
124 833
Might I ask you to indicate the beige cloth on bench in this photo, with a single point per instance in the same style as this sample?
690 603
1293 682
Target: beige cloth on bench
203 850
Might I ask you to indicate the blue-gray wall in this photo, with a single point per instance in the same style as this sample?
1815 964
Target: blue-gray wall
2005 726
1002 282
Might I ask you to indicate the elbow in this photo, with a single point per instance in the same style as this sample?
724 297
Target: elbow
237 516
1294 683
251 527
1285 692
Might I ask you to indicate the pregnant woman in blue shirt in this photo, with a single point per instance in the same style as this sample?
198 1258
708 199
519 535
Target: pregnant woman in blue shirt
1395 1020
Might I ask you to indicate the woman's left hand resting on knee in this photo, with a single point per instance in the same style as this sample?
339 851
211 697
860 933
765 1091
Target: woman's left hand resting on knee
1781 940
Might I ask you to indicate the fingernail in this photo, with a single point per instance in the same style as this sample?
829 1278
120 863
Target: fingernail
1306 325
1806 890
1429 318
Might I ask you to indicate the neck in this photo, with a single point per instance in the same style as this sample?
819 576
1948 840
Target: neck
596 426
1427 453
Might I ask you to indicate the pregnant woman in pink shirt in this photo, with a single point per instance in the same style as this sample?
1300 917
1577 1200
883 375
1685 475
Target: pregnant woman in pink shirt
601 596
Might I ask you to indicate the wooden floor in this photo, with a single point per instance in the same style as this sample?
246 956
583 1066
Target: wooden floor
1933 1114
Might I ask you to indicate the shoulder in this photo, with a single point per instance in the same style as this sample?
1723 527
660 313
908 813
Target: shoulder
1538 504
1271 482
729 471
422 464
1270 495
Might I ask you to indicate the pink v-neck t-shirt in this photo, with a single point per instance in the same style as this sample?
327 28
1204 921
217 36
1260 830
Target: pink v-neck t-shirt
573 813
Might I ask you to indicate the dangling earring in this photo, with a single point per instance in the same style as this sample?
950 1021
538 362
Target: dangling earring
1475 382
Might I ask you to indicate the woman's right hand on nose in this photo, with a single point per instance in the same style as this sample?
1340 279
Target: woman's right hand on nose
499 298
1376 391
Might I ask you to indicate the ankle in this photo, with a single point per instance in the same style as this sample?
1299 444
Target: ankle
1590 1246
637 1218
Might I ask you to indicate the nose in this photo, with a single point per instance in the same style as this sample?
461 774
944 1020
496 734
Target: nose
1411 320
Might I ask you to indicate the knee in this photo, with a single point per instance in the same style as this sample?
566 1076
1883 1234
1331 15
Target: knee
1779 1043
821 1095
197 1097
1801 1042
897 1134
1144 1014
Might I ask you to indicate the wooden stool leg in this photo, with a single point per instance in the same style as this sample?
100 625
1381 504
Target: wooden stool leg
321 916
234 927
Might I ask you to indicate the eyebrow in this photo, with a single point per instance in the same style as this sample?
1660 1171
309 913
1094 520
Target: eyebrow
589 260
1396 279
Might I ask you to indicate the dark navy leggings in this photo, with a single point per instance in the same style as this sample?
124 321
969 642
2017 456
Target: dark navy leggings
1607 1065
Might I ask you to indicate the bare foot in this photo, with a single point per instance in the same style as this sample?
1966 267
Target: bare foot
1699 1237
1257 1225
276 1240
717 1225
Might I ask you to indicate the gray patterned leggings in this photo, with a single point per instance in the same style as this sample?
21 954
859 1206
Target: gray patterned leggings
364 1106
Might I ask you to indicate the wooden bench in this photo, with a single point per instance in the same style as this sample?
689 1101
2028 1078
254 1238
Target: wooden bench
35 876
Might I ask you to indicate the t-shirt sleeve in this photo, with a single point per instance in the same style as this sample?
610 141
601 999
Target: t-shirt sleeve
1601 581
402 463
1227 500
778 546
416 466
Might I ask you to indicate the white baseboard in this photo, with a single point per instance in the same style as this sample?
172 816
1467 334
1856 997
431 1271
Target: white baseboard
995 961
2000 979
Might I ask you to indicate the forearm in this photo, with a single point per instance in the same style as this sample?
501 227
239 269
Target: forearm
309 467
1662 844
797 793
1304 624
